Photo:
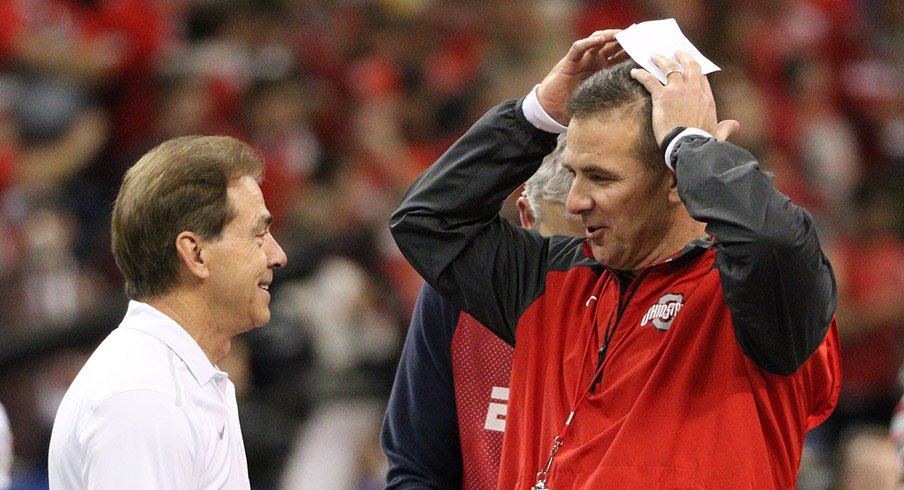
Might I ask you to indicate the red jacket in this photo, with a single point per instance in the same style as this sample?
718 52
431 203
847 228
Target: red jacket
679 406
720 358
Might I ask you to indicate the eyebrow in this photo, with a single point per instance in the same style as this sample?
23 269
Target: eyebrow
265 220
591 168
600 171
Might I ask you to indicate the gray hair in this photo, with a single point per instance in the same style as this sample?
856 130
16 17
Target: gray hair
551 181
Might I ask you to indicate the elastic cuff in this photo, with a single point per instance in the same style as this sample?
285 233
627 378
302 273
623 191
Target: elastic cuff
670 148
668 139
535 114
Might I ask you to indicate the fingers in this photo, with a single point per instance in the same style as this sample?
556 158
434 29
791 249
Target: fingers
646 79
611 49
611 54
597 53
668 66
706 88
607 34
674 72
691 67
619 56
686 65
598 39
725 129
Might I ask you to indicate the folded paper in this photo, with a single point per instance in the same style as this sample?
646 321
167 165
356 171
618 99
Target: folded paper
663 37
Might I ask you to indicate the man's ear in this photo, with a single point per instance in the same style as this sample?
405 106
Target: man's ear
674 198
524 212
192 254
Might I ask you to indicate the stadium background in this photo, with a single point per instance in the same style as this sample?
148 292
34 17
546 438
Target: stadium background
348 100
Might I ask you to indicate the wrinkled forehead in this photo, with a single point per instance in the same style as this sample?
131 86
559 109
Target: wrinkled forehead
601 137
247 200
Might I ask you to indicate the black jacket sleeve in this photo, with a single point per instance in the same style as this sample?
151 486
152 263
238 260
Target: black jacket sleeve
420 431
448 224
777 281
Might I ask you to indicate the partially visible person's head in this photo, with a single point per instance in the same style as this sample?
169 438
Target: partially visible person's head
180 185
868 459
542 204
623 192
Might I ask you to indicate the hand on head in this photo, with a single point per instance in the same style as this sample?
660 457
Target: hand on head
685 100
586 56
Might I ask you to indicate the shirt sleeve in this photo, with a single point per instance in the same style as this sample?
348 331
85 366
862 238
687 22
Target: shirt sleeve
778 283
420 432
538 117
138 439
449 228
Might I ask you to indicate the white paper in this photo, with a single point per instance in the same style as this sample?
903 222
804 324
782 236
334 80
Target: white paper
663 37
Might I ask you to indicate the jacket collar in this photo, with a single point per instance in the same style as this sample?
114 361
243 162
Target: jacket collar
689 250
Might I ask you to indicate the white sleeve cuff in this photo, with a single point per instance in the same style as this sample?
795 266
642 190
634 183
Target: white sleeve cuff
535 114
684 134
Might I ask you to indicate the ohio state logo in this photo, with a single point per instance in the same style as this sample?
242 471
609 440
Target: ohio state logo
662 314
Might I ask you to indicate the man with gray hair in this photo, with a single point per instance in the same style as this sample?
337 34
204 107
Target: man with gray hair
543 205
446 415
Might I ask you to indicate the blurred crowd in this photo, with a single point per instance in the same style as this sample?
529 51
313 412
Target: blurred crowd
348 100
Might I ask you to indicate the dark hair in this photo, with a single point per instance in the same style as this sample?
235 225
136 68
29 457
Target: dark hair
613 90
181 185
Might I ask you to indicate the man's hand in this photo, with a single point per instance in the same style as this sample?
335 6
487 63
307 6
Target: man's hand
585 57
685 100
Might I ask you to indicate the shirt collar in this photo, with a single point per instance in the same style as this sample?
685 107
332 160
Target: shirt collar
145 318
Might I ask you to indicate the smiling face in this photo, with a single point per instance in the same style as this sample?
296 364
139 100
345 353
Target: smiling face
241 262
628 209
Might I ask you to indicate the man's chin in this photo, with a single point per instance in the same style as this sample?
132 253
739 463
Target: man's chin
606 260
599 253
259 320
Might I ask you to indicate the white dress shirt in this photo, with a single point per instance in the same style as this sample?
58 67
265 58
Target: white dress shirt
6 450
148 411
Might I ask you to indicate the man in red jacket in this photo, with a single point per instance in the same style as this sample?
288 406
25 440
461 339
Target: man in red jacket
688 340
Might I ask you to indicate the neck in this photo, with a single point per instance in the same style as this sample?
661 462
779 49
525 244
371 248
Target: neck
685 231
196 319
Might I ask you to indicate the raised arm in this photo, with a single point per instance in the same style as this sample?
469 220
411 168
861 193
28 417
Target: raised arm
448 224
777 282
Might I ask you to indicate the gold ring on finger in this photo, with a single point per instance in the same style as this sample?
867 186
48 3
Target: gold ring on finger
673 70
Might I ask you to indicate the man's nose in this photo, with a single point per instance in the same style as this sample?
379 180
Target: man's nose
577 202
277 256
